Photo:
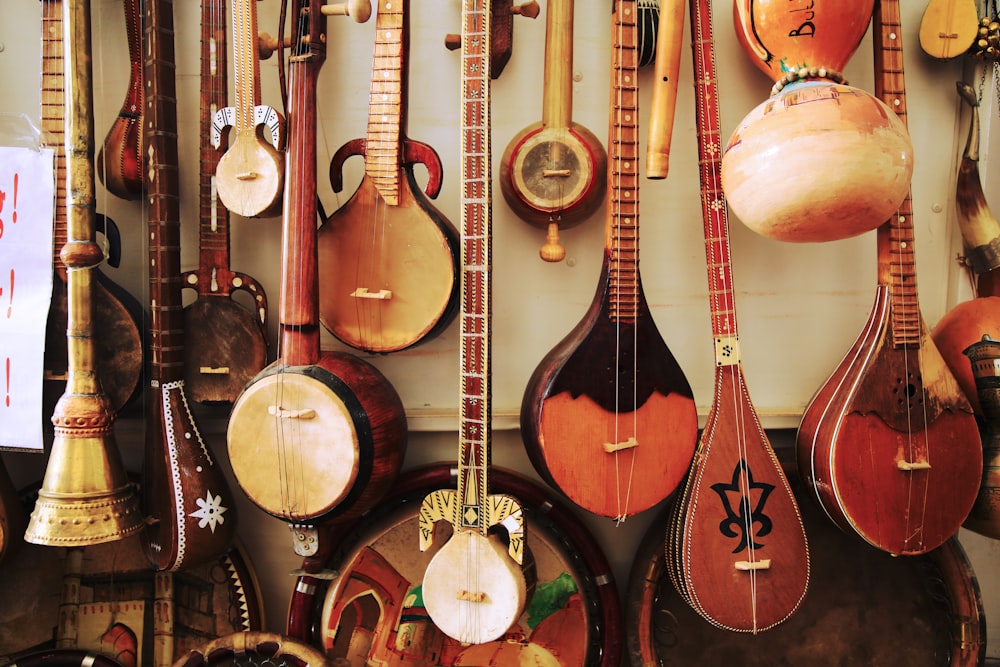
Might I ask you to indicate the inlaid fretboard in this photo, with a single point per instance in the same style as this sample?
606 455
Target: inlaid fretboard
622 229
246 62
214 218
53 114
896 264
476 410
385 114
713 202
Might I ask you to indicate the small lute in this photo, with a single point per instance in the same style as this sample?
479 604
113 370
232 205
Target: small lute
225 343
250 174
473 587
948 27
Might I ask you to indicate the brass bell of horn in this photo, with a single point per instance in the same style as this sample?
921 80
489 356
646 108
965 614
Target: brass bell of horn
85 496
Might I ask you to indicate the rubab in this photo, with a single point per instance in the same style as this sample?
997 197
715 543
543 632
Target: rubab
250 175
317 435
191 512
736 546
226 343
608 416
474 588
889 444
387 271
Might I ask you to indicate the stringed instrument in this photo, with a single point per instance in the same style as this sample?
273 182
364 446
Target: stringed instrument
250 175
315 435
552 174
948 27
387 270
889 444
192 514
608 416
119 162
472 590
226 343
118 320
736 547
501 32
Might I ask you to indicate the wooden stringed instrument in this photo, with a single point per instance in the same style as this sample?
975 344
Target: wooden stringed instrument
315 435
118 316
948 27
552 174
387 271
473 587
608 416
119 162
249 176
226 343
736 547
192 514
889 444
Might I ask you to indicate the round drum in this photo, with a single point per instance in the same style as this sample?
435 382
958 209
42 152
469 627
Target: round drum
371 613
253 649
70 657
864 607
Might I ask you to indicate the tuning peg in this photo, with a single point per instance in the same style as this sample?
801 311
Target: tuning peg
359 10
267 45
530 10
527 9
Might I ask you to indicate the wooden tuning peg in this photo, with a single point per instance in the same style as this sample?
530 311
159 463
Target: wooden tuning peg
526 9
267 45
359 10
502 33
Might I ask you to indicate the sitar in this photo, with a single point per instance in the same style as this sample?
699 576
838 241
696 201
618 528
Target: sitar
473 588
889 444
250 174
316 435
226 343
608 416
118 320
192 515
736 547
387 271
553 172
119 162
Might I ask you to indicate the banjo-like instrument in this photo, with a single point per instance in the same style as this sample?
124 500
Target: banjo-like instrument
473 587
315 435
553 172
225 343
608 416
387 270
250 174
192 515
889 442
736 547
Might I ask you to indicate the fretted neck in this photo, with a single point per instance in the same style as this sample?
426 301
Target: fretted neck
163 209
896 264
713 203
622 228
213 239
385 102
53 114
475 431
299 300
246 65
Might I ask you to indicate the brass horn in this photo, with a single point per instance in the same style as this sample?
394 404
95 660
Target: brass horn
86 497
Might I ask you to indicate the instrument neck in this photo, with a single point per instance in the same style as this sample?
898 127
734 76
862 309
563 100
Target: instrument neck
713 202
163 208
299 300
622 229
213 231
896 264
557 95
386 119
475 423
246 68
53 116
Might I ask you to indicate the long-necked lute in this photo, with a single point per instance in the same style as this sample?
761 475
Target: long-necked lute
889 443
118 320
474 588
192 515
388 258
608 416
225 344
316 435
736 547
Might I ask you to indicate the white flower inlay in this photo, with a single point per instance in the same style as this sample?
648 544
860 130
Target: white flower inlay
210 511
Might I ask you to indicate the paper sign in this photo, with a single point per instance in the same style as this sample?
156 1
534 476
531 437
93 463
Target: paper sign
26 213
